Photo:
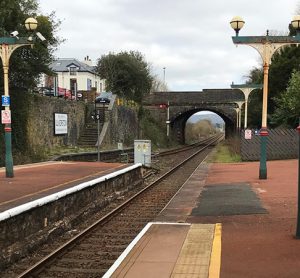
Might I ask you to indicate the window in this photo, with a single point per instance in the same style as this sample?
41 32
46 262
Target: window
73 86
73 70
89 84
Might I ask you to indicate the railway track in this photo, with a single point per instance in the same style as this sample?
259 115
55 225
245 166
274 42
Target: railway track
91 252
186 147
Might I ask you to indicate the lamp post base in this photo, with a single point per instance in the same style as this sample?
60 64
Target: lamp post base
263 154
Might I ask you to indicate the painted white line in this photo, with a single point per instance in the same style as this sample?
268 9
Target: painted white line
259 190
121 258
179 190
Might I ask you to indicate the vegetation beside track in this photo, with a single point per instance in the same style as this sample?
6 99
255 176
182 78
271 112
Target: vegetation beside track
226 152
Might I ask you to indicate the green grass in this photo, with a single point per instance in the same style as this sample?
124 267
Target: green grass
223 154
65 150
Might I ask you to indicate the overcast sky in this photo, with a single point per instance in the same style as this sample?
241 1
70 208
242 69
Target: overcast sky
191 39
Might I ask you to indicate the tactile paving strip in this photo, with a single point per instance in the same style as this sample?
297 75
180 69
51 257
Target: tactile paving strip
194 258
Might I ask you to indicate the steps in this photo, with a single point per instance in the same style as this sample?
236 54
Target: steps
89 136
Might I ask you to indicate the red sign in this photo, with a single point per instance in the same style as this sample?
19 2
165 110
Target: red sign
248 134
163 106
5 117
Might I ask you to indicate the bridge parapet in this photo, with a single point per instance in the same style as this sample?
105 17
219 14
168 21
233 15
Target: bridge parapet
182 105
195 97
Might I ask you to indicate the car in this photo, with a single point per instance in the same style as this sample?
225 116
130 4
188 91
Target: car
104 97
102 100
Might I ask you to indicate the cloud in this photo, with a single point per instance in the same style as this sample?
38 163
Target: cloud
192 39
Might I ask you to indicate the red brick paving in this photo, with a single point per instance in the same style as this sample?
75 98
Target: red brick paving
260 245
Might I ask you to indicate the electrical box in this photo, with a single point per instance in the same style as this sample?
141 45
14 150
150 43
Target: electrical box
142 152
120 146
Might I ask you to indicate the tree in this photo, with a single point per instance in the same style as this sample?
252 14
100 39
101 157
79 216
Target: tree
26 64
288 103
201 129
284 62
158 85
255 99
127 74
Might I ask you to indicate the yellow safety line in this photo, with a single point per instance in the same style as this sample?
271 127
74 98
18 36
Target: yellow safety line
215 257
53 187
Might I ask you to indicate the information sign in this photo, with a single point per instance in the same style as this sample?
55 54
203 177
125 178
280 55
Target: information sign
60 124
5 100
5 117
248 134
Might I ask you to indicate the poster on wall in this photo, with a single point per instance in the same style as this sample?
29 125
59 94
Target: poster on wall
60 124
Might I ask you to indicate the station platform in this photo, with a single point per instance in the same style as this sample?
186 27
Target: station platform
224 222
34 181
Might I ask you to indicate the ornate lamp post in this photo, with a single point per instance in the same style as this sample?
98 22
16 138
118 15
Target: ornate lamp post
239 114
246 89
266 47
168 106
8 46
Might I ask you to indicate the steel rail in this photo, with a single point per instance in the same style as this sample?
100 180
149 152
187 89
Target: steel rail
41 265
188 147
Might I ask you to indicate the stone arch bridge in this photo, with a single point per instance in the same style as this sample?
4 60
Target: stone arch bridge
181 105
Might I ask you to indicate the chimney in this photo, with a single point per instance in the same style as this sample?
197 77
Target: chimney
88 61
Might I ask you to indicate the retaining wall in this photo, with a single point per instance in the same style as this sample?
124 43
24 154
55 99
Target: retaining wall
24 228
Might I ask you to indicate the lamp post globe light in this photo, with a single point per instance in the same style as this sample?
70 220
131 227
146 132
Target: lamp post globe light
266 47
31 24
8 46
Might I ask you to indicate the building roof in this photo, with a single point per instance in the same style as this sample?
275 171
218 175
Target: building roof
63 65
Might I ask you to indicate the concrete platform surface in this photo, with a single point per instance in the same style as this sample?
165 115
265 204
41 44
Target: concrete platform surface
257 244
171 250
257 219
33 181
258 228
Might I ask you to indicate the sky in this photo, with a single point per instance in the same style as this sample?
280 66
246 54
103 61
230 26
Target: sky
190 39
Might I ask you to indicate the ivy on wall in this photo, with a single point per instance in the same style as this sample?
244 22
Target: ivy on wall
33 127
20 102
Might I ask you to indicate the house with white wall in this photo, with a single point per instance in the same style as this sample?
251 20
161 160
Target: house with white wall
74 76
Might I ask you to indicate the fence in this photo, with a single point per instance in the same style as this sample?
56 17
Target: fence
282 144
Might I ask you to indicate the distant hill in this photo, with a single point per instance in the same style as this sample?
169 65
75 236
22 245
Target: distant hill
214 118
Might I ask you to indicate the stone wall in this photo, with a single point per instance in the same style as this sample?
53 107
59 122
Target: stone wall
33 125
123 126
40 124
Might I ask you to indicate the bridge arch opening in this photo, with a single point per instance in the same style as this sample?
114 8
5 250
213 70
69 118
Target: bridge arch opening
202 125
180 122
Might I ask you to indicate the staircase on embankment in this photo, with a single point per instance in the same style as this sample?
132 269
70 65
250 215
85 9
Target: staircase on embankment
89 135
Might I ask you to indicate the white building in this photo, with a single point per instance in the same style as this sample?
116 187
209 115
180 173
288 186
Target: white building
74 76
